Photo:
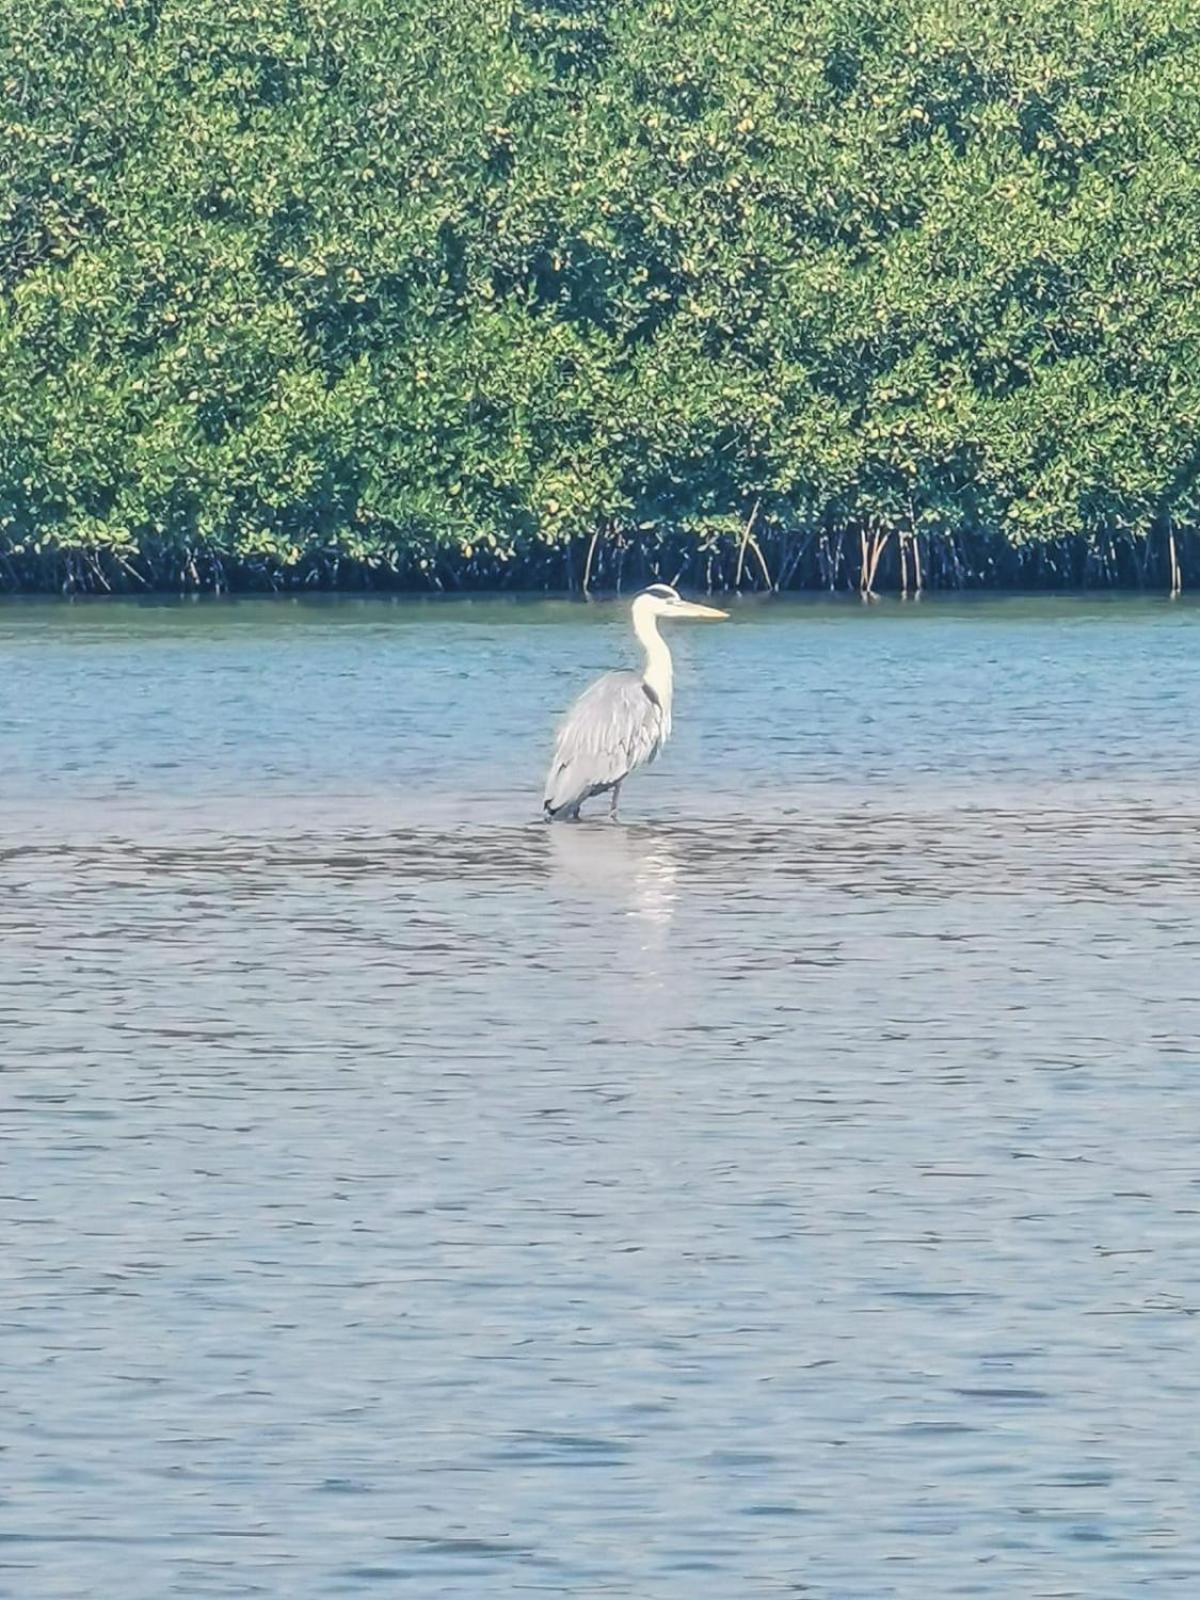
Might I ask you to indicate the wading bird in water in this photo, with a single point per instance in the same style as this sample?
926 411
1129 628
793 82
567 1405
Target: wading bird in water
624 719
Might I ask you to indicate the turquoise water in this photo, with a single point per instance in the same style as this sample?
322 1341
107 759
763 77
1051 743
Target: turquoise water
790 1191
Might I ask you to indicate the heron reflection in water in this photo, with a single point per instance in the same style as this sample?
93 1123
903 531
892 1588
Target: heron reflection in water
624 719
634 870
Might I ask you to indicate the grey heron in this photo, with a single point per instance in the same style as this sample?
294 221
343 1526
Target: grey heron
624 719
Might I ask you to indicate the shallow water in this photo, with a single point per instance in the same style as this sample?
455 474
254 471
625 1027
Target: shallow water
791 1191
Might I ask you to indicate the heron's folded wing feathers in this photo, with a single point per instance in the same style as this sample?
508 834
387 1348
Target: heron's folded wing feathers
614 726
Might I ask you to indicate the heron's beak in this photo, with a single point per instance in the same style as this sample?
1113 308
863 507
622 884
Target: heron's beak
689 608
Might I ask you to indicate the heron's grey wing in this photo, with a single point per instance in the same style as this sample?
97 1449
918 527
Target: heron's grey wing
614 726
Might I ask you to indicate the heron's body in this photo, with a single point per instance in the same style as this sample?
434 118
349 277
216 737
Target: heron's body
623 720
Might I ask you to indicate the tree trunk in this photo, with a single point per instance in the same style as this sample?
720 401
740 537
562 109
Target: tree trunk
587 566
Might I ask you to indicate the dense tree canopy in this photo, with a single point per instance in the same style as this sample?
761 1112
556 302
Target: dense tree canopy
479 291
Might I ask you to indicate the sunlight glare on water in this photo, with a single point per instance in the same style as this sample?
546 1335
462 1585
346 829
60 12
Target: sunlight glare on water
790 1191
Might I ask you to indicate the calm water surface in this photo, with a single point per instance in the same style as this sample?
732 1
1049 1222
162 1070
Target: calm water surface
793 1191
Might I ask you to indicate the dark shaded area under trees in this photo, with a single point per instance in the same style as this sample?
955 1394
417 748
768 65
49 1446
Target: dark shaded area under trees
815 293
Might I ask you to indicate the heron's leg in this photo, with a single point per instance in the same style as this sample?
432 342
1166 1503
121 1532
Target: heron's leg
612 803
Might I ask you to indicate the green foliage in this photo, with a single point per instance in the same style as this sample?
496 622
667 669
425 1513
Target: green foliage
487 291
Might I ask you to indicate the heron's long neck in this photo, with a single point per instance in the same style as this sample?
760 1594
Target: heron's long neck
657 672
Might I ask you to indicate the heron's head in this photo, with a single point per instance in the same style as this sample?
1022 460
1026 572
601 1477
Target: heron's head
660 600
